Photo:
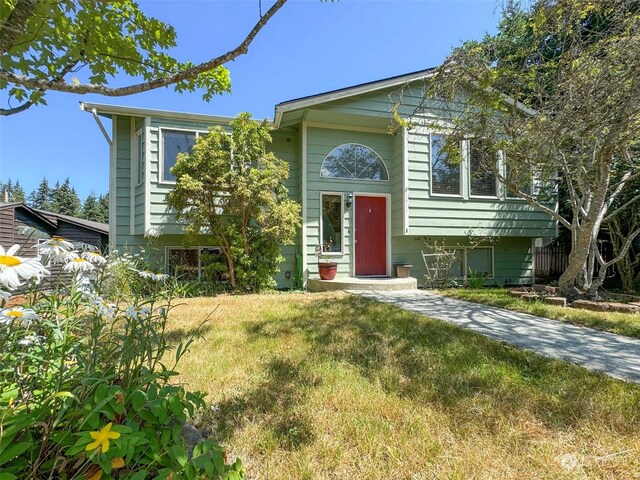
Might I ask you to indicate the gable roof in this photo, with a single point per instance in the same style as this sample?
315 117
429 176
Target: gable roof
351 91
102 228
52 218
32 211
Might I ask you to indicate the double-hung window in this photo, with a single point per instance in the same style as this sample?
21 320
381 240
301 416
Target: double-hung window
482 164
445 166
174 142
523 179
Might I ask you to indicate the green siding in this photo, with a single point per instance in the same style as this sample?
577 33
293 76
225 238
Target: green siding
513 259
320 141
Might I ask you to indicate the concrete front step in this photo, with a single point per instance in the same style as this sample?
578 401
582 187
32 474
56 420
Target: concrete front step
385 284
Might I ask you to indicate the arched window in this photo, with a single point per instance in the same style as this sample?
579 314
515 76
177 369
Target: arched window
353 160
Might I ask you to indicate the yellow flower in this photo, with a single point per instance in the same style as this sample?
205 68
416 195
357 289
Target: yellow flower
117 462
102 438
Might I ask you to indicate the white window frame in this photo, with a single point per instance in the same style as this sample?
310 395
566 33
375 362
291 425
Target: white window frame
460 184
199 248
495 177
492 261
349 179
139 158
342 222
506 189
161 171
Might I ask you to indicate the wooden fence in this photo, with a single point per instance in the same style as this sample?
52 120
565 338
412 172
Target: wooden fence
552 260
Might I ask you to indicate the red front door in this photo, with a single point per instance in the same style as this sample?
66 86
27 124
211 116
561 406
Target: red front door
371 235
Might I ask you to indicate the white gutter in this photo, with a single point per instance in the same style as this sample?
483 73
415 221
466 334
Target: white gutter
94 113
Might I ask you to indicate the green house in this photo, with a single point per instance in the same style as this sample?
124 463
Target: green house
371 195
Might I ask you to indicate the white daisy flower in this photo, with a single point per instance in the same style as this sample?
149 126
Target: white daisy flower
78 265
25 315
55 246
13 268
31 232
159 277
4 295
30 340
94 257
137 312
146 274
104 308
152 233
63 257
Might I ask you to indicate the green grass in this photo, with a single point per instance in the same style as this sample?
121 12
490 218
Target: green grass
622 323
329 386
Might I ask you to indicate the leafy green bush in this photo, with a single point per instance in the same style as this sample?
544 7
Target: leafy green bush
84 378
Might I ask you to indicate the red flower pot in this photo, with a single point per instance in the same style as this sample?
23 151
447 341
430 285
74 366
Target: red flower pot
327 270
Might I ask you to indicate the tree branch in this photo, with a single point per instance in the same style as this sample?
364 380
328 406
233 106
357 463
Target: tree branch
82 88
29 103
619 209
533 202
13 26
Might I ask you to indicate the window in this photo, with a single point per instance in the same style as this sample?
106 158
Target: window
482 179
173 143
455 262
331 223
445 167
355 161
525 184
192 263
139 157
480 261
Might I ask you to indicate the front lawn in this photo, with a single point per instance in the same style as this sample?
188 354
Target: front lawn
622 323
334 386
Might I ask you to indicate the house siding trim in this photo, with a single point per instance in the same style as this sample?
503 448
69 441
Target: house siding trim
305 263
405 181
134 175
113 149
147 174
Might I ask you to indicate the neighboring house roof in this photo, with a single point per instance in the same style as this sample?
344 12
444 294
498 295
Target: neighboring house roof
52 218
32 211
346 92
102 228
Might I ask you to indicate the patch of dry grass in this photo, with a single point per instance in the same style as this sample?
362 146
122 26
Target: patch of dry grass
329 386
621 323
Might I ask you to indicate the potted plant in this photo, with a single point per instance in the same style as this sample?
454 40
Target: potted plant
402 270
326 268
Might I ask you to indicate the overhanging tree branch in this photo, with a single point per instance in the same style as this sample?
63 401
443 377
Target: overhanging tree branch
184 74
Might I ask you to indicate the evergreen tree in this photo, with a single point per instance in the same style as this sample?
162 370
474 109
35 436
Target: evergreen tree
90 208
65 200
103 209
17 192
41 196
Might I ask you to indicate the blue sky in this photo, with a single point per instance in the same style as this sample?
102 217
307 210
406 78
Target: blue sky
308 47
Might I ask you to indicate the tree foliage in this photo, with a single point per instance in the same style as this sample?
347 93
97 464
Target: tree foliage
13 191
232 189
557 91
45 43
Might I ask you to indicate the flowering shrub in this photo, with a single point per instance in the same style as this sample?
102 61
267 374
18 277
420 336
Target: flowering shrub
84 375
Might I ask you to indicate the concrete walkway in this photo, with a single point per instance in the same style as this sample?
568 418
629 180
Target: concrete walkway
615 355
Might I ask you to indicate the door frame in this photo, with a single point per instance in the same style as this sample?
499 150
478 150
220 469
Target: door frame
387 197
